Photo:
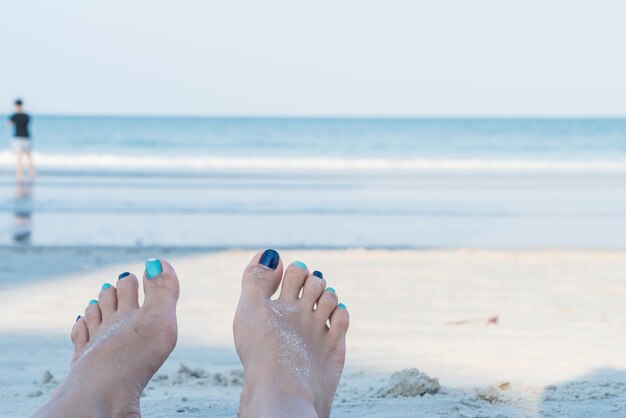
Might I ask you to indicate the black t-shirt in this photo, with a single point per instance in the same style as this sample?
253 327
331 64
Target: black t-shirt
20 122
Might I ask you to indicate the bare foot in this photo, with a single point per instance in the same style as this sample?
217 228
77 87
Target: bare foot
118 346
292 359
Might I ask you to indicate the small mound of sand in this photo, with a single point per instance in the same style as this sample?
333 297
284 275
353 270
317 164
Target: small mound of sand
198 376
409 383
47 378
493 393
489 394
35 394
47 382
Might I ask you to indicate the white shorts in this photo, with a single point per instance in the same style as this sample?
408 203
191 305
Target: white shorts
20 144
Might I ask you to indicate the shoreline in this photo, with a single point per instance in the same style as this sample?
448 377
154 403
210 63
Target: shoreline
320 211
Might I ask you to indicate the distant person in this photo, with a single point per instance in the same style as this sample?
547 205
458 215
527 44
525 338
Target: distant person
21 141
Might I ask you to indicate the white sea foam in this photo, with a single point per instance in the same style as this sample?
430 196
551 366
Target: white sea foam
112 162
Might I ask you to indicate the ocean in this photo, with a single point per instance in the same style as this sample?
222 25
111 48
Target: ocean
206 143
310 182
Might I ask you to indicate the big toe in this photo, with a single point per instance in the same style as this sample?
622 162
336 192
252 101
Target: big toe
160 284
262 276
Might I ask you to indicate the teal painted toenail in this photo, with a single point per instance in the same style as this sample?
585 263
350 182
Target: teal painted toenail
153 268
300 265
330 289
342 306
93 302
105 286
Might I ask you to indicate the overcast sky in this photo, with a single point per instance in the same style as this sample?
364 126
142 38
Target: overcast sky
340 57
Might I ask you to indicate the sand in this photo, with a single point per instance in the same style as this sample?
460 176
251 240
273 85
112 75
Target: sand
465 333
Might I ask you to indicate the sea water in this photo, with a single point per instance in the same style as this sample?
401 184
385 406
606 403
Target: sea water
63 142
332 183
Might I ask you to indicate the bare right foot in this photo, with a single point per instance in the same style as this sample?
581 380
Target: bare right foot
118 346
292 359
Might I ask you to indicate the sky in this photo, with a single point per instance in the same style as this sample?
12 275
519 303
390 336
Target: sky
315 58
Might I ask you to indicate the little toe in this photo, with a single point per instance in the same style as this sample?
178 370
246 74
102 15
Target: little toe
93 317
295 275
107 299
262 276
160 284
313 288
80 334
326 304
127 292
80 338
339 321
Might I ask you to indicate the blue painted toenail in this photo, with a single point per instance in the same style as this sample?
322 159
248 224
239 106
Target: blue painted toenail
330 289
318 274
342 306
270 259
105 286
121 276
77 318
300 265
153 268
93 302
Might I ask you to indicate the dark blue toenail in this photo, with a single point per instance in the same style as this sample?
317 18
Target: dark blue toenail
318 274
77 318
270 259
121 276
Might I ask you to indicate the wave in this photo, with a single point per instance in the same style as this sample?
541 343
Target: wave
125 163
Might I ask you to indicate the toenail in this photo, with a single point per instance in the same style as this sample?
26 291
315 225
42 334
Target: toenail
300 265
342 306
105 286
318 274
77 318
153 268
93 302
121 276
270 259
330 289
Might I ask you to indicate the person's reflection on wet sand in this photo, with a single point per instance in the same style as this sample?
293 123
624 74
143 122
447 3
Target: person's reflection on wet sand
23 211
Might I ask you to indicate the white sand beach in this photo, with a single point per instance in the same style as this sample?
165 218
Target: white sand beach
505 333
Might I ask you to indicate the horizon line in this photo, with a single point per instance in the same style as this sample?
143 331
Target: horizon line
322 116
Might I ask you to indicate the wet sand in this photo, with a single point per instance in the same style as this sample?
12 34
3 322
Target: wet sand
319 209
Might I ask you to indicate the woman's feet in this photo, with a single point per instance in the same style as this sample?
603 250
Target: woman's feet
118 346
292 358
293 348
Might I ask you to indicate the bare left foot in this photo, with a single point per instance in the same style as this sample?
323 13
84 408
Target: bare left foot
292 359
